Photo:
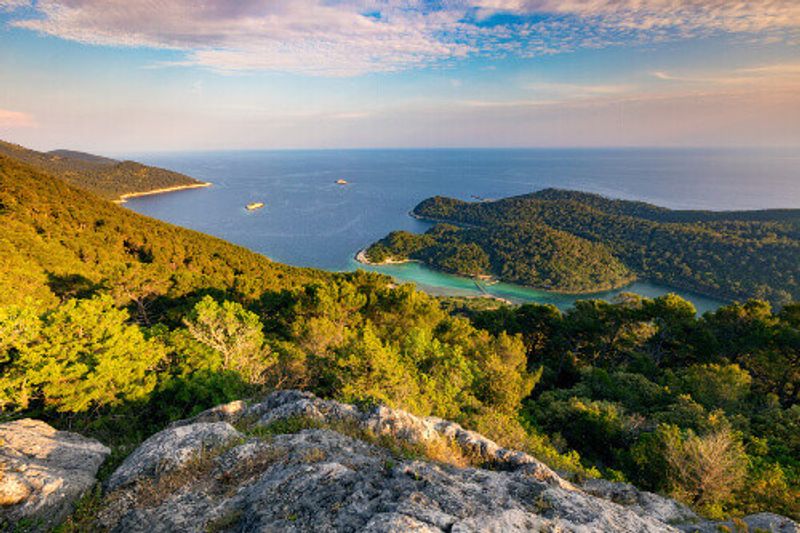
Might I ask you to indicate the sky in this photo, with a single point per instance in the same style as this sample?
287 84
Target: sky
123 76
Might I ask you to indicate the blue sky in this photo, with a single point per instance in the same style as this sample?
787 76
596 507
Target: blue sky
120 76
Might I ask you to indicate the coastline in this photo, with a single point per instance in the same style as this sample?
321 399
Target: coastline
361 257
124 197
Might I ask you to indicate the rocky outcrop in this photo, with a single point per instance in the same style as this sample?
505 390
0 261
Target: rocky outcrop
43 472
380 421
171 449
755 523
641 502
294 462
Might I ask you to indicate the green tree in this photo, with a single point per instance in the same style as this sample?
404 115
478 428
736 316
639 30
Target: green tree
716 386
85 356
233 332
367 370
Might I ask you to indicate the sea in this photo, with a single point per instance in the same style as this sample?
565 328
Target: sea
310 220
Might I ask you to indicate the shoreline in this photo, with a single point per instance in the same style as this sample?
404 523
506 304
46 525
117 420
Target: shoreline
124 197
361 257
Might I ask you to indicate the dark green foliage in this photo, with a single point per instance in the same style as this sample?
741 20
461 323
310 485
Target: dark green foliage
580 242
105 177
706 409
529 254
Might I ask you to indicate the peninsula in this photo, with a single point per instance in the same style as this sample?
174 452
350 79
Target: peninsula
106 177
575 242
124 197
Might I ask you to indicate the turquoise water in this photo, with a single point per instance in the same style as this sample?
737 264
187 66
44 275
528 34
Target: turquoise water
309 220
448 285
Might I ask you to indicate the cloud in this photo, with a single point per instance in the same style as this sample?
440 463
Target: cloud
773 77
351 37
11 5
307 36
15 119
687 15
576 90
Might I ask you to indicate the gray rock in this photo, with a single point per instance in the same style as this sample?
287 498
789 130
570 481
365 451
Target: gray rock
755 522
641 502
228 412
332 478
171 449
398 424
43 472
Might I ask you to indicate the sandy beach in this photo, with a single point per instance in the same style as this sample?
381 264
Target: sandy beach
123 198
361 257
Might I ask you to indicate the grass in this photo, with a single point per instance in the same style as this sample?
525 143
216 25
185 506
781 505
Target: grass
83 518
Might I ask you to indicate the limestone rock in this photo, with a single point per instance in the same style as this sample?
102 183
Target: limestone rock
339 474
43 472
171 449
767 522
641 502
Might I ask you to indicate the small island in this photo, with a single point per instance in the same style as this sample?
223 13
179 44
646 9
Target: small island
581 243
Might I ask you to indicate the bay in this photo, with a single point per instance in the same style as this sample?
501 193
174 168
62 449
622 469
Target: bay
310 220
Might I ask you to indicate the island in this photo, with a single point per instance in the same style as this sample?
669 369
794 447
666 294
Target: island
577 242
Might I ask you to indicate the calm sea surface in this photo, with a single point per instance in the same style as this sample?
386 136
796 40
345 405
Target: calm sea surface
309 220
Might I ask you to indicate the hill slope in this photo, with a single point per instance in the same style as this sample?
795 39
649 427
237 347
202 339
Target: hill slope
60 241
105 177
736 255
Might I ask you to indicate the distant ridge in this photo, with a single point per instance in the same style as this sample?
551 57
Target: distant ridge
83 156
106 177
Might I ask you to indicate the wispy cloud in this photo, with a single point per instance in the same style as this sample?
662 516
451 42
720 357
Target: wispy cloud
15 119
688 15
771 77
349 37
10 5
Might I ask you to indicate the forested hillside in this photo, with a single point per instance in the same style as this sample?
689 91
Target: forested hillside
731 255
105 177
59 241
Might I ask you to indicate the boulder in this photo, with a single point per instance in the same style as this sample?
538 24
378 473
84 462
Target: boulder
43 472
170 449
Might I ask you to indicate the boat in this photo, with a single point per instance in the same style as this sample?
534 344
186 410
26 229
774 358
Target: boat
341 182
255 205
